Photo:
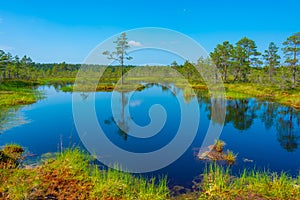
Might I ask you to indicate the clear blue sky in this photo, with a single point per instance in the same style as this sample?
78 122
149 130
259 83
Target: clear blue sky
56 31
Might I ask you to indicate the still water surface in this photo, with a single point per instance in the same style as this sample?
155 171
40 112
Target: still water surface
266 133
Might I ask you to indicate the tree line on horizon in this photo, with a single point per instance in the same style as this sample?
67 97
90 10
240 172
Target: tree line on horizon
240 62
241 57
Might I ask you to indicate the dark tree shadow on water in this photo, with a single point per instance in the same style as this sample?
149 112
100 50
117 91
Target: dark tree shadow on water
287 133
122 122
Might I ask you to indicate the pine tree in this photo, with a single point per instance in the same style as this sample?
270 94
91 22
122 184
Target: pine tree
292 51
272 58
120 53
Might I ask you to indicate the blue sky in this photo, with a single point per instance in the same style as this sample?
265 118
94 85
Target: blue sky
56 31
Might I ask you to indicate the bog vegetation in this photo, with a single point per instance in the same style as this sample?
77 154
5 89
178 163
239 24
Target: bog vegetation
245 72
71 174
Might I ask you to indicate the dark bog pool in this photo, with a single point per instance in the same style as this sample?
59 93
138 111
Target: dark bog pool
263 134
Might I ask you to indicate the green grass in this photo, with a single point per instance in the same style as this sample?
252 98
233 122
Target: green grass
54 80
289 97
14 93
12 148
103 87
17 98
18 92
246 90
218 183
113 184
230 157
67 88
10 156
70 175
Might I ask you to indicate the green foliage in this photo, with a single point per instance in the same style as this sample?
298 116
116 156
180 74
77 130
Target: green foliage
120 53
292 52
174 64
17 92
237 63
272 59
10 156
245 55
230 157
113 184
17 183
70 175
218 183
249 48
12 149
222 57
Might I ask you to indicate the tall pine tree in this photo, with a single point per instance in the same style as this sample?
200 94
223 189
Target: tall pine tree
272 59
292 51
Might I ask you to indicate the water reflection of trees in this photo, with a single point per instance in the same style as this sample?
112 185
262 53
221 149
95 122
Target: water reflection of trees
122 121
269 113
287 134
11 117
217 107
239 112
286 121
242 113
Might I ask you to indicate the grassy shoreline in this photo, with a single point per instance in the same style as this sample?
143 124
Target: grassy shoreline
16 92
286 97
289 97
22 92
245 90
218 183
71 175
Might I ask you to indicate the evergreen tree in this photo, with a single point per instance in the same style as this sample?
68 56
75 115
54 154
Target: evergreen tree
272 59
222 57
292 51
120 53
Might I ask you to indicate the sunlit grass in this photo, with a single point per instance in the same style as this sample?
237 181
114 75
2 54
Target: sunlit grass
219 146
17 98
10 156
18 93
246 90
218 183
230 157
113 184
289 97
102 87
70 175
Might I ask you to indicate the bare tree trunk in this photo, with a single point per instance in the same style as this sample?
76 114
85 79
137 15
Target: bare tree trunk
122 70
122 73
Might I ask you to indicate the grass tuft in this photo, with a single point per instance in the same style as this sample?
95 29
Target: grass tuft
219 146
70 175
230 157
217 183
10 156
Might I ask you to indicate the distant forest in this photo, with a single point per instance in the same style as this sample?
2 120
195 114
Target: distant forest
237 63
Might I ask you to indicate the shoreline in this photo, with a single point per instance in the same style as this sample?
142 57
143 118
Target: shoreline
12 95
71 174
